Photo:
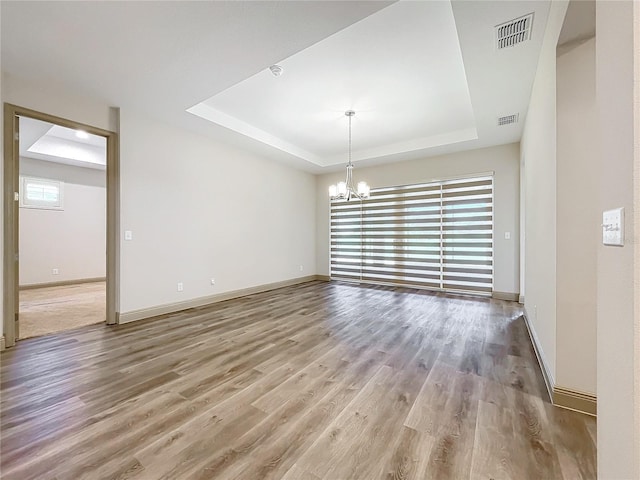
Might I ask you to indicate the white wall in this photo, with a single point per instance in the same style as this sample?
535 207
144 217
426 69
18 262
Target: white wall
49 98
197 208
200 210
617 446
538 157
523 229
503 160
578 228
72 240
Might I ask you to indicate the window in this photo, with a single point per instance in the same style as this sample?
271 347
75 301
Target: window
437 235
41 193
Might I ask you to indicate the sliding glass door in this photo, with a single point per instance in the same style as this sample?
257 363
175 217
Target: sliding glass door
437 235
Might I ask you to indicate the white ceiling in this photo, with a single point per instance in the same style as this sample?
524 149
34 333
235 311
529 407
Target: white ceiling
424 77
53 143
400 69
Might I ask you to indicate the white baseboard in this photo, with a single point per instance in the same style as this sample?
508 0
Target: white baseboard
62 283
511 297
521 299
560 396
575 400
546 371
141 314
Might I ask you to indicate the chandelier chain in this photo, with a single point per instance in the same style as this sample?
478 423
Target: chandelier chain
350 116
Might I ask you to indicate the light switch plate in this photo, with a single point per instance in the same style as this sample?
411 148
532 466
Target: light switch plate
128 235
613 227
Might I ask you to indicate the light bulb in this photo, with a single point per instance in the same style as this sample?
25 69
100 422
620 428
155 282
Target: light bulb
342 188
333 191
362 188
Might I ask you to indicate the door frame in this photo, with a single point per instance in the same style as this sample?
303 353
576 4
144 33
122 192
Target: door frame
11 214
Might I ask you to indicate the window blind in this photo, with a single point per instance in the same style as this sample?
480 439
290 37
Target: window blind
437 235
41 193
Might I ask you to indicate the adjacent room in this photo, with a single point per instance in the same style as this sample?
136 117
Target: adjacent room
320 240
62 219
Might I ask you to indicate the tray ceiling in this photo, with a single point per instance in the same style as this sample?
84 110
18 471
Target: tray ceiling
425 78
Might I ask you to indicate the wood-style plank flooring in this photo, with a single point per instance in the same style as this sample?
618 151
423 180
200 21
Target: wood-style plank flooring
316 381
49 310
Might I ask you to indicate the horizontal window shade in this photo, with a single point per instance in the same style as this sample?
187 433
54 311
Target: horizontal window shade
467 204
437 235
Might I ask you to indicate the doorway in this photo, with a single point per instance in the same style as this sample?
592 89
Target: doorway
40 294
61 228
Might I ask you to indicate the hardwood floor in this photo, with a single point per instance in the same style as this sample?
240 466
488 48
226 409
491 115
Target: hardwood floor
316 381
48 310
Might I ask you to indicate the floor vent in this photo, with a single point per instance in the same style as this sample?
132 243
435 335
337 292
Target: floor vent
508 119
514 32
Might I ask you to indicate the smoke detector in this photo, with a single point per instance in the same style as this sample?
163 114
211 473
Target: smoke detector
276 70
514 31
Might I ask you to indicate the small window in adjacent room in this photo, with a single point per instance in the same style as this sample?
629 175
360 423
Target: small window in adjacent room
41 193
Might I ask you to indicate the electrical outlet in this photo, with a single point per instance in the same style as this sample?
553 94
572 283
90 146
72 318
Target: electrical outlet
507 235
180 286
55 271
213 281
301 267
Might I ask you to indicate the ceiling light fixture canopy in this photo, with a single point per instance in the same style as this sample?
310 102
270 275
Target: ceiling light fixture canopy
345 190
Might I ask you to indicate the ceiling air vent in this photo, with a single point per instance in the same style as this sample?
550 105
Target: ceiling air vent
514 32
508 119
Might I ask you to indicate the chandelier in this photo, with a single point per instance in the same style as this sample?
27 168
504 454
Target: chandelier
345 190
